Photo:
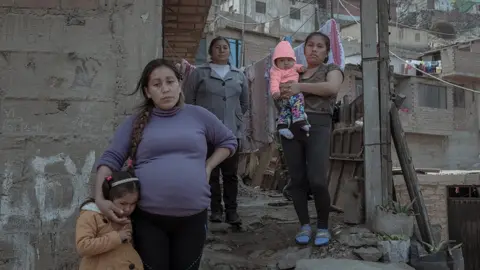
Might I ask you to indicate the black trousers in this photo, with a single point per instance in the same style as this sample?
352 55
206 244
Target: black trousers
169 243
229 168
307 160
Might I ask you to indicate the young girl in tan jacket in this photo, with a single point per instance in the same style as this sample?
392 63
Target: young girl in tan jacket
101 243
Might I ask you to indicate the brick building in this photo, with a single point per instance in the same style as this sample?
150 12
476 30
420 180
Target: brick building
441 122
65 66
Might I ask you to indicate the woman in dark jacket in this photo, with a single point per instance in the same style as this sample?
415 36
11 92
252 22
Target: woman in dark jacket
223 90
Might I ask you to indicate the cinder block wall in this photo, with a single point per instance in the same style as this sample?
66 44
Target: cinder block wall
65 66
434 191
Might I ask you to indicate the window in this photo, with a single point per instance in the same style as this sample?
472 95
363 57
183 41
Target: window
201 56
235 52
432 96
295 13
260 7
417 37
358 86
458 98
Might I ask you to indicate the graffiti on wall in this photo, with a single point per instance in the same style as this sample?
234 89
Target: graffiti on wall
24 252
13 123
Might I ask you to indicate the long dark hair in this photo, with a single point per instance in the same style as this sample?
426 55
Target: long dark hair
325 38
112 191
146 107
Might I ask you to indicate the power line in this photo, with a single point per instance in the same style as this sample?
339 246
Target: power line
406 62
311 16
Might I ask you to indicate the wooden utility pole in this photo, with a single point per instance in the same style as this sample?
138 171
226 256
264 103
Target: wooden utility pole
410 176
243 32
371 119
385 99
215 16
331 9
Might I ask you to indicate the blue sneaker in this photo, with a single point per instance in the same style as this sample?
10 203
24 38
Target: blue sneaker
322 237
303 237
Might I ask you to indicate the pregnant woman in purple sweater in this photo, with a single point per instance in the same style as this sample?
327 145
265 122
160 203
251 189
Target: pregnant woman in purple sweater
167 142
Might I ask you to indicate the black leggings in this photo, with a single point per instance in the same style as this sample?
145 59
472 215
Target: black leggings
169 243
229 169
307 160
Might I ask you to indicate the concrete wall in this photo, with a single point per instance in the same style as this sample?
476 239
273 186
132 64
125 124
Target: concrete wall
440 138
64 67
399 36
397 64
434 192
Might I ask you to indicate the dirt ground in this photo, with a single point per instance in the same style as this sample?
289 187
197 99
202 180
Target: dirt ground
266 238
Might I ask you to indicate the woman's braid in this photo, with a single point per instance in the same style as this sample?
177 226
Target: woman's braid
137 132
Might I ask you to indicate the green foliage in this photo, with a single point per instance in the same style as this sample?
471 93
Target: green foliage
442 246
398 208
393 237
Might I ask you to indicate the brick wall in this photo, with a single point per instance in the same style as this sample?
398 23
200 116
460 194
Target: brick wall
64 67
434 192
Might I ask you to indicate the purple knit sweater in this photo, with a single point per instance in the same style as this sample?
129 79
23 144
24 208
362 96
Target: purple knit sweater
171 158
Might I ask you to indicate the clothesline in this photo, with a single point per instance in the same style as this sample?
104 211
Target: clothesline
336 55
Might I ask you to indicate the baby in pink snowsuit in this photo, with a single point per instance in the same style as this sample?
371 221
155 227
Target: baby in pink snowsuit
285 69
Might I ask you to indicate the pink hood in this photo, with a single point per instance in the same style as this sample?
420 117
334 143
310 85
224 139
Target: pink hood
283 49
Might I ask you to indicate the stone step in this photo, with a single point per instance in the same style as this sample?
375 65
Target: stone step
344 264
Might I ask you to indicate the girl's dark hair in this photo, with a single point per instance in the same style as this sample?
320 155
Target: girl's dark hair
214 41
112 192
145 109
325 38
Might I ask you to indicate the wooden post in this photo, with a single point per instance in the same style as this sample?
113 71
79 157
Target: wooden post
410 176
371 119
385 97
242 60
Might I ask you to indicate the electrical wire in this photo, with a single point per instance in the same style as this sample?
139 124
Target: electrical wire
276 19
311 16
406 62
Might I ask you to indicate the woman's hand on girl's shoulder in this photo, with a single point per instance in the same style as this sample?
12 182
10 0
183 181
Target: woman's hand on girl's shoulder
111 211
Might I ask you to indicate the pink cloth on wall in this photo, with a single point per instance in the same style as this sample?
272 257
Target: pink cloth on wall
185 69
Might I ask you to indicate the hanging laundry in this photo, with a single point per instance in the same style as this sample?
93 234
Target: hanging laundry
430 67
185 68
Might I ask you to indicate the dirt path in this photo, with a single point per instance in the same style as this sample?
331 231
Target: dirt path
266 239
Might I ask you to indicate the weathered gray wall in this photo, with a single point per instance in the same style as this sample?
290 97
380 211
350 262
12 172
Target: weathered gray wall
64 65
